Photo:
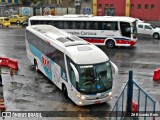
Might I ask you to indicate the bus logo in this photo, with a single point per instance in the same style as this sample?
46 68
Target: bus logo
46 62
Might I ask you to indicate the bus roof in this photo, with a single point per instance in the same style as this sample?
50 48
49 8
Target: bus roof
79 50
84 18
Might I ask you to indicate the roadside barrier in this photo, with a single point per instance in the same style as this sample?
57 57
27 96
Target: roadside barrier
2 107
7 62
156 75
134 106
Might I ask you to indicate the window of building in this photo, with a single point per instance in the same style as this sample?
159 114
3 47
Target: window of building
112 5
146 6
106 5
139 6
100 6
152 7
132 6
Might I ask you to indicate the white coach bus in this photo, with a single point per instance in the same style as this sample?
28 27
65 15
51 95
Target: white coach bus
78 68
100 30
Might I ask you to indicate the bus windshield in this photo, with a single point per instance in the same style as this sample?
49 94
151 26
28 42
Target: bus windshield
94 78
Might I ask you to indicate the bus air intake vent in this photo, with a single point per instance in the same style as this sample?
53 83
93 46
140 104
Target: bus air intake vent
84 48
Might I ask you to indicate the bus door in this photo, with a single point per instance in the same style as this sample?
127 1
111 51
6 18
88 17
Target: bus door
125 29
72 75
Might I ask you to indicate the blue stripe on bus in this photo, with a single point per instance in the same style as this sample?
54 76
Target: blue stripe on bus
39 54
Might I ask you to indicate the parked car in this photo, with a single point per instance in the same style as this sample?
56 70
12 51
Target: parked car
148 29
17 19
4 21
25 22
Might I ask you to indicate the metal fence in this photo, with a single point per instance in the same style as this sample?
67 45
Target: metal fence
133 103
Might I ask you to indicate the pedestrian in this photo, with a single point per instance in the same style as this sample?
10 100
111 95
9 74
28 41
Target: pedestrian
11 72
1 76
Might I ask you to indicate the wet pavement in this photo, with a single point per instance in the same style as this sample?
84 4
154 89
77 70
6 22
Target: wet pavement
28 90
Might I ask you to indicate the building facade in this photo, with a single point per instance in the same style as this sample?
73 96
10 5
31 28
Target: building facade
143 9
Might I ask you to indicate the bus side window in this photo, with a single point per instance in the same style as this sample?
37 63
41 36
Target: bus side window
115 25
48 22
34 22
41 22
99 25
60 24
55 23
95 25
82 25
73 25
104 26
78 24
87 25
66 25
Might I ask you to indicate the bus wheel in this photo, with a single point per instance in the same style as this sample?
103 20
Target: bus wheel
110 44
1 25
155 35
36 65
64 90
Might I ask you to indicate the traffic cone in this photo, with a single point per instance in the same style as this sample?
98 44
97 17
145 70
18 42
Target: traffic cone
11 71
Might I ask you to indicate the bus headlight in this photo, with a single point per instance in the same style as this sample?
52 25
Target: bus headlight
80 103
82 97
110 93
78 95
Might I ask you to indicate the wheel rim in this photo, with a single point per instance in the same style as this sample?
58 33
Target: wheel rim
156 36
110 44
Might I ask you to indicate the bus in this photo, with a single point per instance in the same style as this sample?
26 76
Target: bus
100 30
81 70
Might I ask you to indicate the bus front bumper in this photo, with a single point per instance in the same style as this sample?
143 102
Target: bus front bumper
95 100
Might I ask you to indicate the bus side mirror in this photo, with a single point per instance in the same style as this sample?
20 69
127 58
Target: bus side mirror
115 67
75 72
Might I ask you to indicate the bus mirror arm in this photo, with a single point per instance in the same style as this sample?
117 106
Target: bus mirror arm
115 68
75 72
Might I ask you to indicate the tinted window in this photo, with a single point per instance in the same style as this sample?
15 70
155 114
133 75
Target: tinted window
50 51
147 27
140 26
109 26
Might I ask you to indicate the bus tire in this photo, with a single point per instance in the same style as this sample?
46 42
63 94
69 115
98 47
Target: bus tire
1 25
36 65
110 44
155 35
64 90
